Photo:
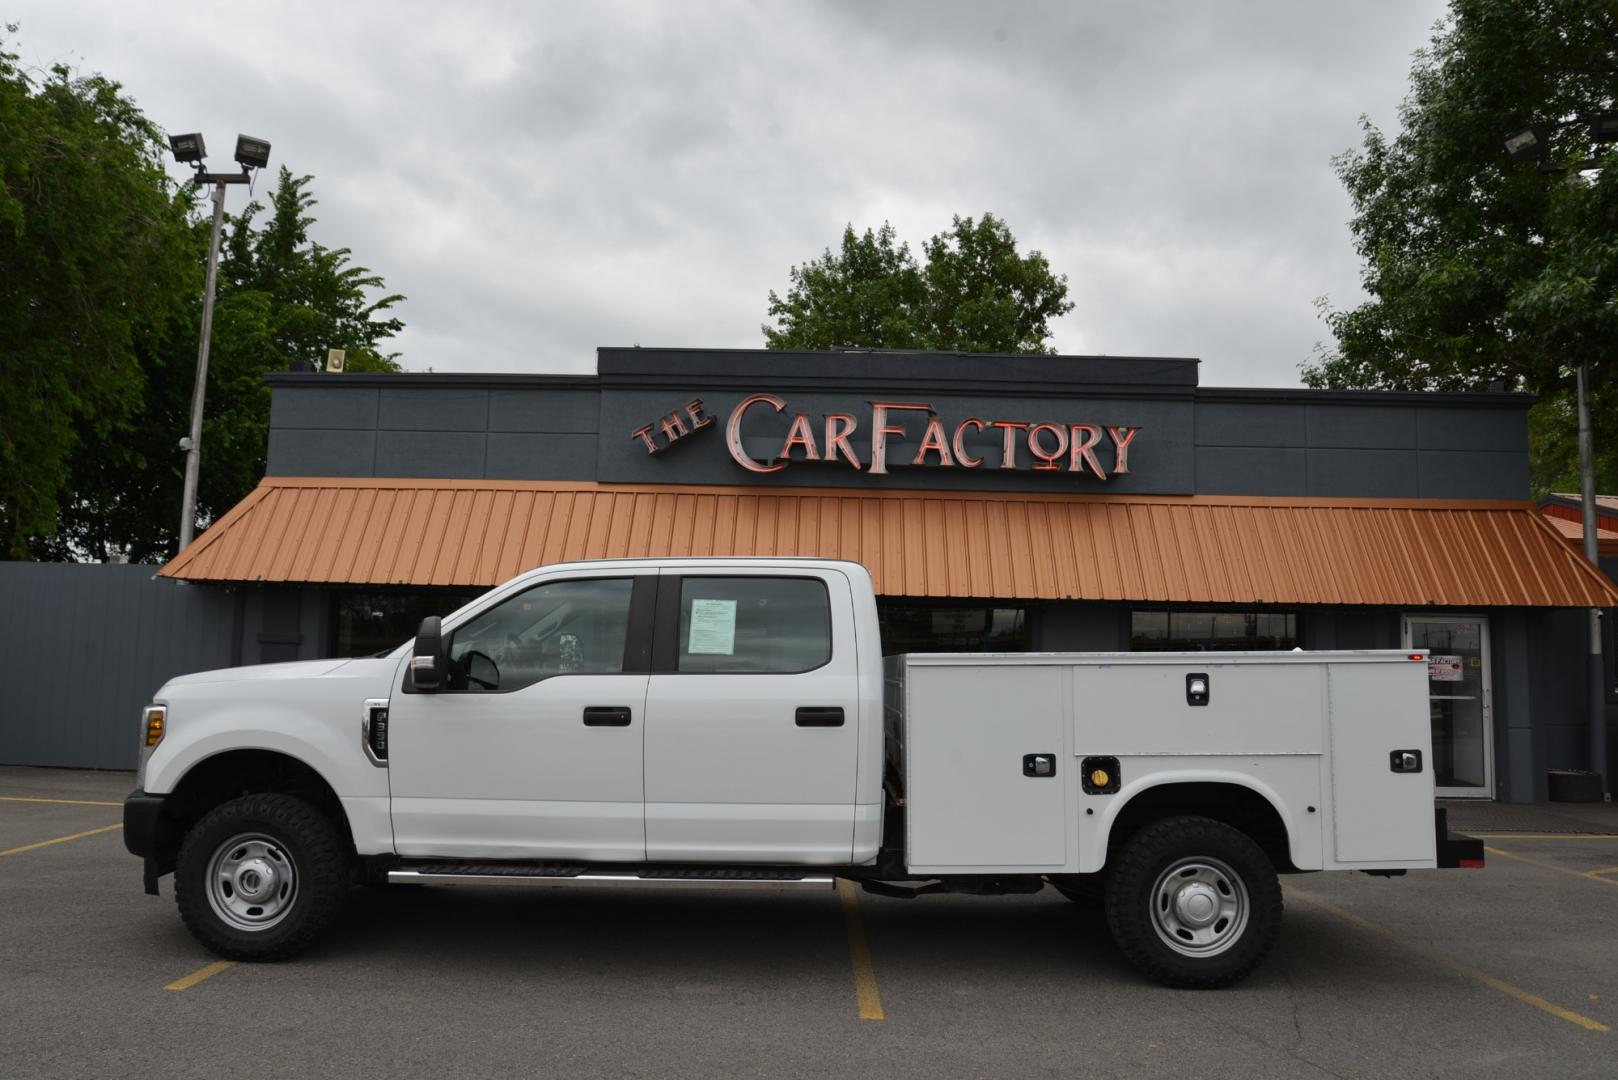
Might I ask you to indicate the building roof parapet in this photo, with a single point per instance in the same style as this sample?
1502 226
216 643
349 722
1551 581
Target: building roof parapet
1303 395
895 371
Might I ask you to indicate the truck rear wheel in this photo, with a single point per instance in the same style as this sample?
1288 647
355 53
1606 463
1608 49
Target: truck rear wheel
1193 903
260 877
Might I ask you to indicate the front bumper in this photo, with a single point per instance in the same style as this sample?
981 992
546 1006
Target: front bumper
145 828
150 834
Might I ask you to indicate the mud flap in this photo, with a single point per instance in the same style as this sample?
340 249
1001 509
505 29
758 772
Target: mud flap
1454 850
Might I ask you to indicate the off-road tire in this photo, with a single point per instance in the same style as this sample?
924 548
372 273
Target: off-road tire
1132 894
309 841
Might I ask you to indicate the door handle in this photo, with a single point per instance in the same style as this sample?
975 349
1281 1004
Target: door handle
820 716
606 716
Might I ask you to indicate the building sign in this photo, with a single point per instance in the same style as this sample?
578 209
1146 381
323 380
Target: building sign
1047 446
673 426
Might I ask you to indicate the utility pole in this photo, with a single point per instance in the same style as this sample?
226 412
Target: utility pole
193 443
1532 143
1596 675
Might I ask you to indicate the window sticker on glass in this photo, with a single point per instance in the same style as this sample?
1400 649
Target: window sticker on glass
713 628
1444 668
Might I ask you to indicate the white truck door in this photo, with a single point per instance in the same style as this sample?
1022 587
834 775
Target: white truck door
752 718
1382 808
533 749
976 802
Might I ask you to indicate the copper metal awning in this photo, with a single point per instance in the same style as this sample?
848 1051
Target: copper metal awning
1568 521
1197 549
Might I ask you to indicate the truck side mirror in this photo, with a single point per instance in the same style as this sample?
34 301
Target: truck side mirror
427 662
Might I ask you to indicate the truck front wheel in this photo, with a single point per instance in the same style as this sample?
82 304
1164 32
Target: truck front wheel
260 877
1193 903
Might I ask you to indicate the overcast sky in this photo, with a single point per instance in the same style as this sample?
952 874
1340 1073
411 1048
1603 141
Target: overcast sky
540 179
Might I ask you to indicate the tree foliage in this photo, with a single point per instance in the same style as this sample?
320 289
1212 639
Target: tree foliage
280 297
96 257
100 307
975 293
1481 270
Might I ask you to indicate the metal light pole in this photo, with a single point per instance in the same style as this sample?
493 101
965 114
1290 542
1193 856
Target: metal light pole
251 154
193 443
1532 144
1595 675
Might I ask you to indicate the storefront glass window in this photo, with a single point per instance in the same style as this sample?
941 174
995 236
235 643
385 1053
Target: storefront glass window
1211 631
925 628
373 622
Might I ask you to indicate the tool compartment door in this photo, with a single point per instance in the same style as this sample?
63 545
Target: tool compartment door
1380 817
969 806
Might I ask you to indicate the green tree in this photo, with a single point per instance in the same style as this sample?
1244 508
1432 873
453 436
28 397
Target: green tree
975 294
96 259
281 297
1483 271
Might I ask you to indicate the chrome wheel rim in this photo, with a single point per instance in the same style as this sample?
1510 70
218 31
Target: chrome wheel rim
252 882
1199 906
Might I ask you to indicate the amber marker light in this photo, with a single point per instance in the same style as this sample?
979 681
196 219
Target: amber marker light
155 717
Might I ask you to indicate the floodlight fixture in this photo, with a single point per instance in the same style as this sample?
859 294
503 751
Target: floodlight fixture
188 149
1527 144
252 153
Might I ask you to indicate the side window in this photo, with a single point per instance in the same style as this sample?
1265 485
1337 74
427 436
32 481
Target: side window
560 628
779 625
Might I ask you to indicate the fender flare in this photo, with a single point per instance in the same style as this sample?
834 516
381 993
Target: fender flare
1092 859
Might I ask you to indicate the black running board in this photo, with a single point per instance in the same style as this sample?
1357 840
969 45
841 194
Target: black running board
505 875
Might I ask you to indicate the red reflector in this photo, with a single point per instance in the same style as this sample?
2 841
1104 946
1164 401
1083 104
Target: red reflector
1417 656
1471 864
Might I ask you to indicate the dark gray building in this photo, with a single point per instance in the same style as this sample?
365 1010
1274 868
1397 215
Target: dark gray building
1002 502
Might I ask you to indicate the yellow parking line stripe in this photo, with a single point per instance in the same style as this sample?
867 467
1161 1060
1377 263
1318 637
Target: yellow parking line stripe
859 952
1453 965
1549 866
59 840
64 802
202 973
1604 870
1542 836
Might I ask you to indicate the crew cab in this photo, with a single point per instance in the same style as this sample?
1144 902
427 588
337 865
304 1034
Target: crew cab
733 723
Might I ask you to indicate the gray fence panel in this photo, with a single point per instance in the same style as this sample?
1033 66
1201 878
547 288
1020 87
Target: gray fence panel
88 645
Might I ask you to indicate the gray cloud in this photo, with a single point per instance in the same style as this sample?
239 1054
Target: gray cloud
541 179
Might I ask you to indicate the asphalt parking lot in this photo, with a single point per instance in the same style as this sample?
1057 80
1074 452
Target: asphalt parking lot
1510 971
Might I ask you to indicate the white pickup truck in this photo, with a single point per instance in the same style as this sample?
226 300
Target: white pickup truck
732 723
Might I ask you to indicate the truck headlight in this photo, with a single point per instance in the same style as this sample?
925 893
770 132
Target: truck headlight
154 721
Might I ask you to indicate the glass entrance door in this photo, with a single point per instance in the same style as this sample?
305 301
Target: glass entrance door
1458 693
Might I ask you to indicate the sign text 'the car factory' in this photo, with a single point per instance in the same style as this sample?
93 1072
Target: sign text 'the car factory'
1049 447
